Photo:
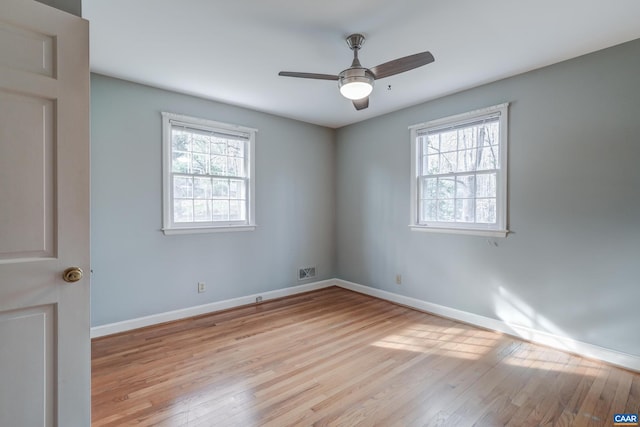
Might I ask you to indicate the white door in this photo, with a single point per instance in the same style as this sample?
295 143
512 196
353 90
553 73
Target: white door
44 217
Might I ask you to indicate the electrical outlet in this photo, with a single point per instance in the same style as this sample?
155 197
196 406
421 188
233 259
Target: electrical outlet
398 279
258 299
201 287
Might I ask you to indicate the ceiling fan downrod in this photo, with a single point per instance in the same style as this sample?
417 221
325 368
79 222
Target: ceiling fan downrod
355 42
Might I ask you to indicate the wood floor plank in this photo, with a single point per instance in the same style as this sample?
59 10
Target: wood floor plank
337 358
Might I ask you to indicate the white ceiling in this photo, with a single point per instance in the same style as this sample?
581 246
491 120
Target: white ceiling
231 51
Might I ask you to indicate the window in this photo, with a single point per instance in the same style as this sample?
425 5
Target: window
459 173
208 175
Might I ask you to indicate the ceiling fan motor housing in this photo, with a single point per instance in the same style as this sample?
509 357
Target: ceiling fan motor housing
356 77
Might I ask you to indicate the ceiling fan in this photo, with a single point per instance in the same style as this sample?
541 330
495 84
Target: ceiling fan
356 82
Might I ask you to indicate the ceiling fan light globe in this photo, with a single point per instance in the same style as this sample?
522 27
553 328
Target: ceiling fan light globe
355 83
356 90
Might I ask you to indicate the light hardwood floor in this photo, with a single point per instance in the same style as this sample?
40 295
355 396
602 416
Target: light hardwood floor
335 357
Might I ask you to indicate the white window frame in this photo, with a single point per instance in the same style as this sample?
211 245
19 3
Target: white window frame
500 228
169 226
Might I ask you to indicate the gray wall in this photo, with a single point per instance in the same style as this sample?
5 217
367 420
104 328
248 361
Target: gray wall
572 264
139 271
71 6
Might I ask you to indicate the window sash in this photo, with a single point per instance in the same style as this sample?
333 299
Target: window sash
455 198
210 198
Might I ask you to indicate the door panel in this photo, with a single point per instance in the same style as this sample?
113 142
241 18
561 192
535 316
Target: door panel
27 169
28 377
36 53
44 216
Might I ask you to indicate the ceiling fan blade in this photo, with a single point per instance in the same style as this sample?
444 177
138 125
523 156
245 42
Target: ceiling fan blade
361 104
401 65
308 75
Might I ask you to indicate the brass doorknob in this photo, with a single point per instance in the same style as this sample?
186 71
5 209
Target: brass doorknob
72 274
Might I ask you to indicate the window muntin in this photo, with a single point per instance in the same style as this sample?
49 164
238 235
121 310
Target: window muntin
459 179
208 174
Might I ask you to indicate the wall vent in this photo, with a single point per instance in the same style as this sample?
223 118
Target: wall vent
306 273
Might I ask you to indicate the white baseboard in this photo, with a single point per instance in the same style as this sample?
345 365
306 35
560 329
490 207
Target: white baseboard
154 319
624 360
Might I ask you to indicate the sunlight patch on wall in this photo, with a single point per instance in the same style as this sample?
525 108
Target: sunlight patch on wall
513 310
521 316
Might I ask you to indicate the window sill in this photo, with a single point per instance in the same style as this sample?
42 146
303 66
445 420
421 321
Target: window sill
200 230
470 232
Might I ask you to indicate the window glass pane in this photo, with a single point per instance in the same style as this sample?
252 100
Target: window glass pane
181 160
218 165
200 144
449 141
465 186
220 188
182 187
428 210
429 188
448 162
467 160
236 148
490 133
446 188
486 185
237 189
486 211
487 158
182 210
218 147
237 210
220 210
433 164
201 188
199 164
466 138
202 210
235 166
180 141
445 210
433 144
465 210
